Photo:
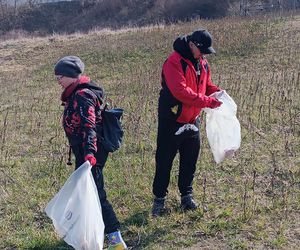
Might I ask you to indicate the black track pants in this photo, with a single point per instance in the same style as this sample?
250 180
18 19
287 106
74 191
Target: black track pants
168 144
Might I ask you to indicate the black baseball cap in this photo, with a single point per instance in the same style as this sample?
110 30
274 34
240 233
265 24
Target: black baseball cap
203 40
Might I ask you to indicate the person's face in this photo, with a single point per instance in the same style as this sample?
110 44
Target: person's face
65 81
195 50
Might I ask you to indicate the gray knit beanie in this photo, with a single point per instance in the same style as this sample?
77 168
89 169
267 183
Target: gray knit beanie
70 66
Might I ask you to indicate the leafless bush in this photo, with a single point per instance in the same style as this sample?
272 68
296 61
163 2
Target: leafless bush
15 34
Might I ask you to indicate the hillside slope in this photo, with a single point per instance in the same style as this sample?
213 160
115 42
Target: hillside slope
253 199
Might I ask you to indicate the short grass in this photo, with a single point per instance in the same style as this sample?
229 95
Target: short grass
252 200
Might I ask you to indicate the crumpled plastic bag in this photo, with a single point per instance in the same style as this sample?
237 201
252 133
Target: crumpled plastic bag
76 211
223 129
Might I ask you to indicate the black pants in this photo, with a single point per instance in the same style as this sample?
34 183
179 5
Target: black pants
188 145
109 217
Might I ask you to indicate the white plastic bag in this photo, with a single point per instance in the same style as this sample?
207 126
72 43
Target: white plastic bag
76 212
222 127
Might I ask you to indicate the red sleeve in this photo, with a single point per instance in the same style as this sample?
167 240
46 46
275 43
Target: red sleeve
176 82
210 86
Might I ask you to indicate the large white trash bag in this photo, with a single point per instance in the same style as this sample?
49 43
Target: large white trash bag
76 212
222 127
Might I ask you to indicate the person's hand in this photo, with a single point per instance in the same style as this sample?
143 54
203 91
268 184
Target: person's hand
214 103
91 159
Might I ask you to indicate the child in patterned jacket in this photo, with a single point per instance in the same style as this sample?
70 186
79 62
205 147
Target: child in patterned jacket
82 100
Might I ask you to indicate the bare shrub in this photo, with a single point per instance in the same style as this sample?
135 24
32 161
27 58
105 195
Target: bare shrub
15 34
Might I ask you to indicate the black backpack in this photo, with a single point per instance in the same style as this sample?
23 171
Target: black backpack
110 131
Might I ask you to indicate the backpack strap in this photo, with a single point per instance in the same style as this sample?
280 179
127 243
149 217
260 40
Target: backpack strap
69 162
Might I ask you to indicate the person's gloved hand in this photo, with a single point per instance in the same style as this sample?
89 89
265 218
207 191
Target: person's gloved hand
214 103
91 159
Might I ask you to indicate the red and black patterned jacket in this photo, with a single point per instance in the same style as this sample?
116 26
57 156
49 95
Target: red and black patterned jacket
82 116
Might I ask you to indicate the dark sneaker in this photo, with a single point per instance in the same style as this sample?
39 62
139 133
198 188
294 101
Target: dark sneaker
188 203
158 207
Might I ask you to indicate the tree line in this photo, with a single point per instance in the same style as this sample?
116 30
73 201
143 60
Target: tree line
51 16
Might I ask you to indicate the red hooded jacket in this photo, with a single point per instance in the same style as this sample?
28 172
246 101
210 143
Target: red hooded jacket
184 93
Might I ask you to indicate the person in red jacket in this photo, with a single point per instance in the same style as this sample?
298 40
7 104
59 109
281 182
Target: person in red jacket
185 88
82 100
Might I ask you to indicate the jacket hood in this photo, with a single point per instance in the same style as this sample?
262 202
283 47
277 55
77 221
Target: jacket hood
97 90
181 46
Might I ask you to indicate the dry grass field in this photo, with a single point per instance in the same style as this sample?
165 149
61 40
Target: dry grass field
253 200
